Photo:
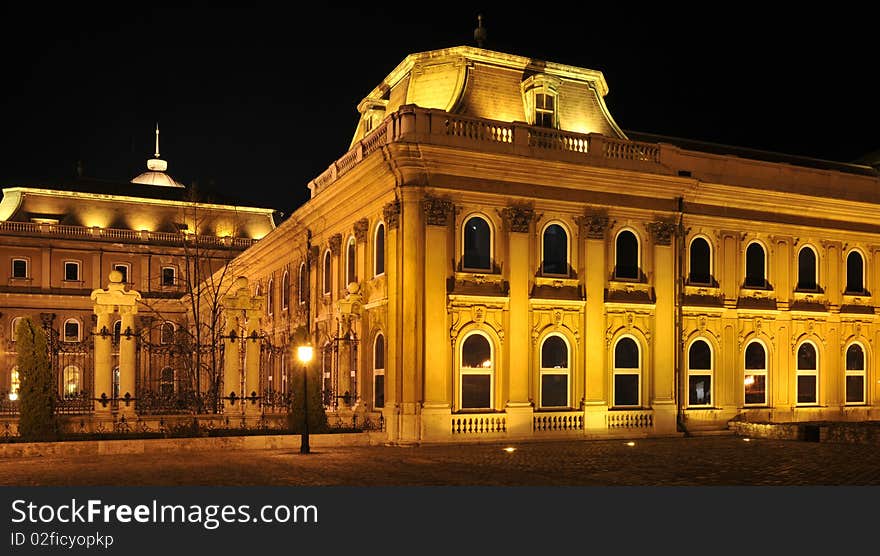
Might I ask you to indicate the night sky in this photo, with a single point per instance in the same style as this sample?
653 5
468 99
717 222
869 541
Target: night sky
257 101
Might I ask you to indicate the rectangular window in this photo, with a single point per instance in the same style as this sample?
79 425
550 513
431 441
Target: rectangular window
169 275
379 391
756 390
699 390
855 389
475 391
71 271
19 268
554 390
544 110
806 389
123 269
626 390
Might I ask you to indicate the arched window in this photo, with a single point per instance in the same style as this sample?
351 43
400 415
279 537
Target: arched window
351 262
285 290
855 273
807 270
555 369
807 372
166 382
379 371
700 262
13 328
477 247
72 381
855 374
626 256
700 374
477 372
270 296
627 373
14 384
326 273
117 331
166 333
379 251
755 266
555 250
301 284
755 374
71 330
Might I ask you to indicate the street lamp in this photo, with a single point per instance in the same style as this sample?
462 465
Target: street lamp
305 353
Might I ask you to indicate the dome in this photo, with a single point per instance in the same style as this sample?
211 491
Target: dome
155 174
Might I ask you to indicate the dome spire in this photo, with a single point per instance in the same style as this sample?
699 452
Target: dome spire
157 140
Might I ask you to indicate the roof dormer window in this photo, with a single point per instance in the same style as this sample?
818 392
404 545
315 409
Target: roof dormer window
541 99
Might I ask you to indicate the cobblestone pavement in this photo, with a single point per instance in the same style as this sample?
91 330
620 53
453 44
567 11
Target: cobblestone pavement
710 460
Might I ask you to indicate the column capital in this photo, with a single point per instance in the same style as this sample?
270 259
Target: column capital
361 227
437 211
662 231
517 218
391 214
335 243
595 224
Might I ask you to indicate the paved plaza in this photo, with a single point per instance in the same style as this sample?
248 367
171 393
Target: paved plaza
695 461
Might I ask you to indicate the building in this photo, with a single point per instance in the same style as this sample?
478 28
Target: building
60 241
495 258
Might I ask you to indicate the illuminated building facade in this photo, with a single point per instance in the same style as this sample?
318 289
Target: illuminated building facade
60 241
495 258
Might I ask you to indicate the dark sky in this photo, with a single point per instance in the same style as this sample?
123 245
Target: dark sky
261 99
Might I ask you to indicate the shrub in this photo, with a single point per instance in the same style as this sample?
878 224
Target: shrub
37 393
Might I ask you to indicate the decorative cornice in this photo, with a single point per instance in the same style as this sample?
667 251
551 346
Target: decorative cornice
437 211
594 224
360 230
391 214
335 243
661 231
518 219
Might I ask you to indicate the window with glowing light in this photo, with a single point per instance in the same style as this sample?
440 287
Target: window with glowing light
477 372
855 374
71 330
700 374
554 251
19 268
627 373
855 273
756 264
14 384
379 251
327 277
71 271
755 376
285 291
808 279
351 262
626 256
477 245
379 371
72 381
807 373
700 262
115 382
555 371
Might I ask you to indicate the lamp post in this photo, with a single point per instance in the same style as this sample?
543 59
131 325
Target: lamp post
304 353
